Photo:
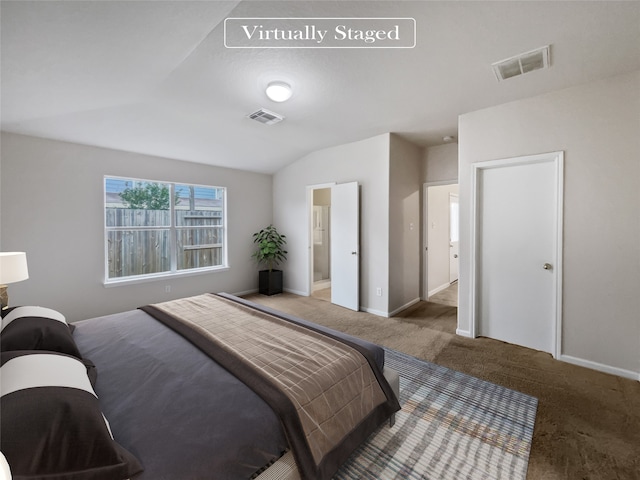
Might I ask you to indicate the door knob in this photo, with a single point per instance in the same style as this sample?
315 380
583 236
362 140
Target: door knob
547 266
455 255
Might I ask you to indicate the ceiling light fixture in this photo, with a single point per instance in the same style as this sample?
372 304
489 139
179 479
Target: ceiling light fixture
279 91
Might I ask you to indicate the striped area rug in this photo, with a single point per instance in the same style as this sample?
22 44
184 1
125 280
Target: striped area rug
451 426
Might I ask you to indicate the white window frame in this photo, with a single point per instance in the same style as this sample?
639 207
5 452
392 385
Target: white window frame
173 238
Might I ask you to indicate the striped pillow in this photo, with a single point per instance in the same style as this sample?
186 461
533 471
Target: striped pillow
52 424
36 328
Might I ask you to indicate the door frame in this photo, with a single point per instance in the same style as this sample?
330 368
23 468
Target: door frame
557 158
425 231
457 197
310 189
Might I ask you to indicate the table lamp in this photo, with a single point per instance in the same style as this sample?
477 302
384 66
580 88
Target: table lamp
13 268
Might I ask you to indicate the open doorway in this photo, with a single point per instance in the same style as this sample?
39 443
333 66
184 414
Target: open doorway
321 244
441 244
334 243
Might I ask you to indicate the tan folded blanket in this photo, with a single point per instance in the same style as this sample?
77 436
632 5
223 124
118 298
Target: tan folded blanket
325 391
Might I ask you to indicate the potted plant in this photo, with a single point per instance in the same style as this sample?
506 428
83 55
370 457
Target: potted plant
270 252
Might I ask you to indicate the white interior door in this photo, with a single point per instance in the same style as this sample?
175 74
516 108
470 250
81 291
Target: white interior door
345 245
518 254
454 234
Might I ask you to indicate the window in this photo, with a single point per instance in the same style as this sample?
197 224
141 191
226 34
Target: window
161 228
454 220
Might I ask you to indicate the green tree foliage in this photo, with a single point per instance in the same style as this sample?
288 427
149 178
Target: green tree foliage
147 196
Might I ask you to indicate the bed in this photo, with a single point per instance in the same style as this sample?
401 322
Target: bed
175 410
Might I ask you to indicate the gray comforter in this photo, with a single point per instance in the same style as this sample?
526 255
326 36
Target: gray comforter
180 413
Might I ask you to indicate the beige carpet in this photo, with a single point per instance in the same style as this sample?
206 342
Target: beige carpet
448 296
588 423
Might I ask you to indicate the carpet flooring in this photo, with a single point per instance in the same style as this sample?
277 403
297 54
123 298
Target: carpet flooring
448 296
588 423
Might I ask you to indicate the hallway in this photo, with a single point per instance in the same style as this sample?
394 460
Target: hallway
448 296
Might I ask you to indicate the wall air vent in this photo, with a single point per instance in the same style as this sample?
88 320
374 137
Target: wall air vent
266 117
523 63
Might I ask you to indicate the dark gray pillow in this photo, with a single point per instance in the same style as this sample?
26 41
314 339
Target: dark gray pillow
36 328
52 425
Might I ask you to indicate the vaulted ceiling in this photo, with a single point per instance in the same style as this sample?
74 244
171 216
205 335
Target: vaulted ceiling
155 77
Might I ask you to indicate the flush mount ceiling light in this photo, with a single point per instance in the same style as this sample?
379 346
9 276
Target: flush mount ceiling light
279 91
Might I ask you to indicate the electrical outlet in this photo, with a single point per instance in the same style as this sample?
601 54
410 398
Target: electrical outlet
379 291
167 289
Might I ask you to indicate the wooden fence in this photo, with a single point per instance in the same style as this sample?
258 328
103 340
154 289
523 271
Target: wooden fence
139 242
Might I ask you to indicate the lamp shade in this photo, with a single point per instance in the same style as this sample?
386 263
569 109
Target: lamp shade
13 267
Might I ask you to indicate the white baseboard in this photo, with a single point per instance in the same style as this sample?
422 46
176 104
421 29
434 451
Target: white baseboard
404 307
439 289
463 333
620 372
380 313
296 292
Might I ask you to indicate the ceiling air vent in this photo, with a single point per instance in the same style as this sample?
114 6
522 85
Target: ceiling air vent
266 117
523 63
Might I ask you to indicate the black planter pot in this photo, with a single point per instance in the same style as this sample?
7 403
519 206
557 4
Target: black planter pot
270 282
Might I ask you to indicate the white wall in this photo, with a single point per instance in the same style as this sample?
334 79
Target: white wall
404 223
597 125
52 208
366 162
438 236
440 163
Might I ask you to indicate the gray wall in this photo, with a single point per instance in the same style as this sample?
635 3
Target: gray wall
597 125
440 163
404 223
366 162
388 169
51 206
